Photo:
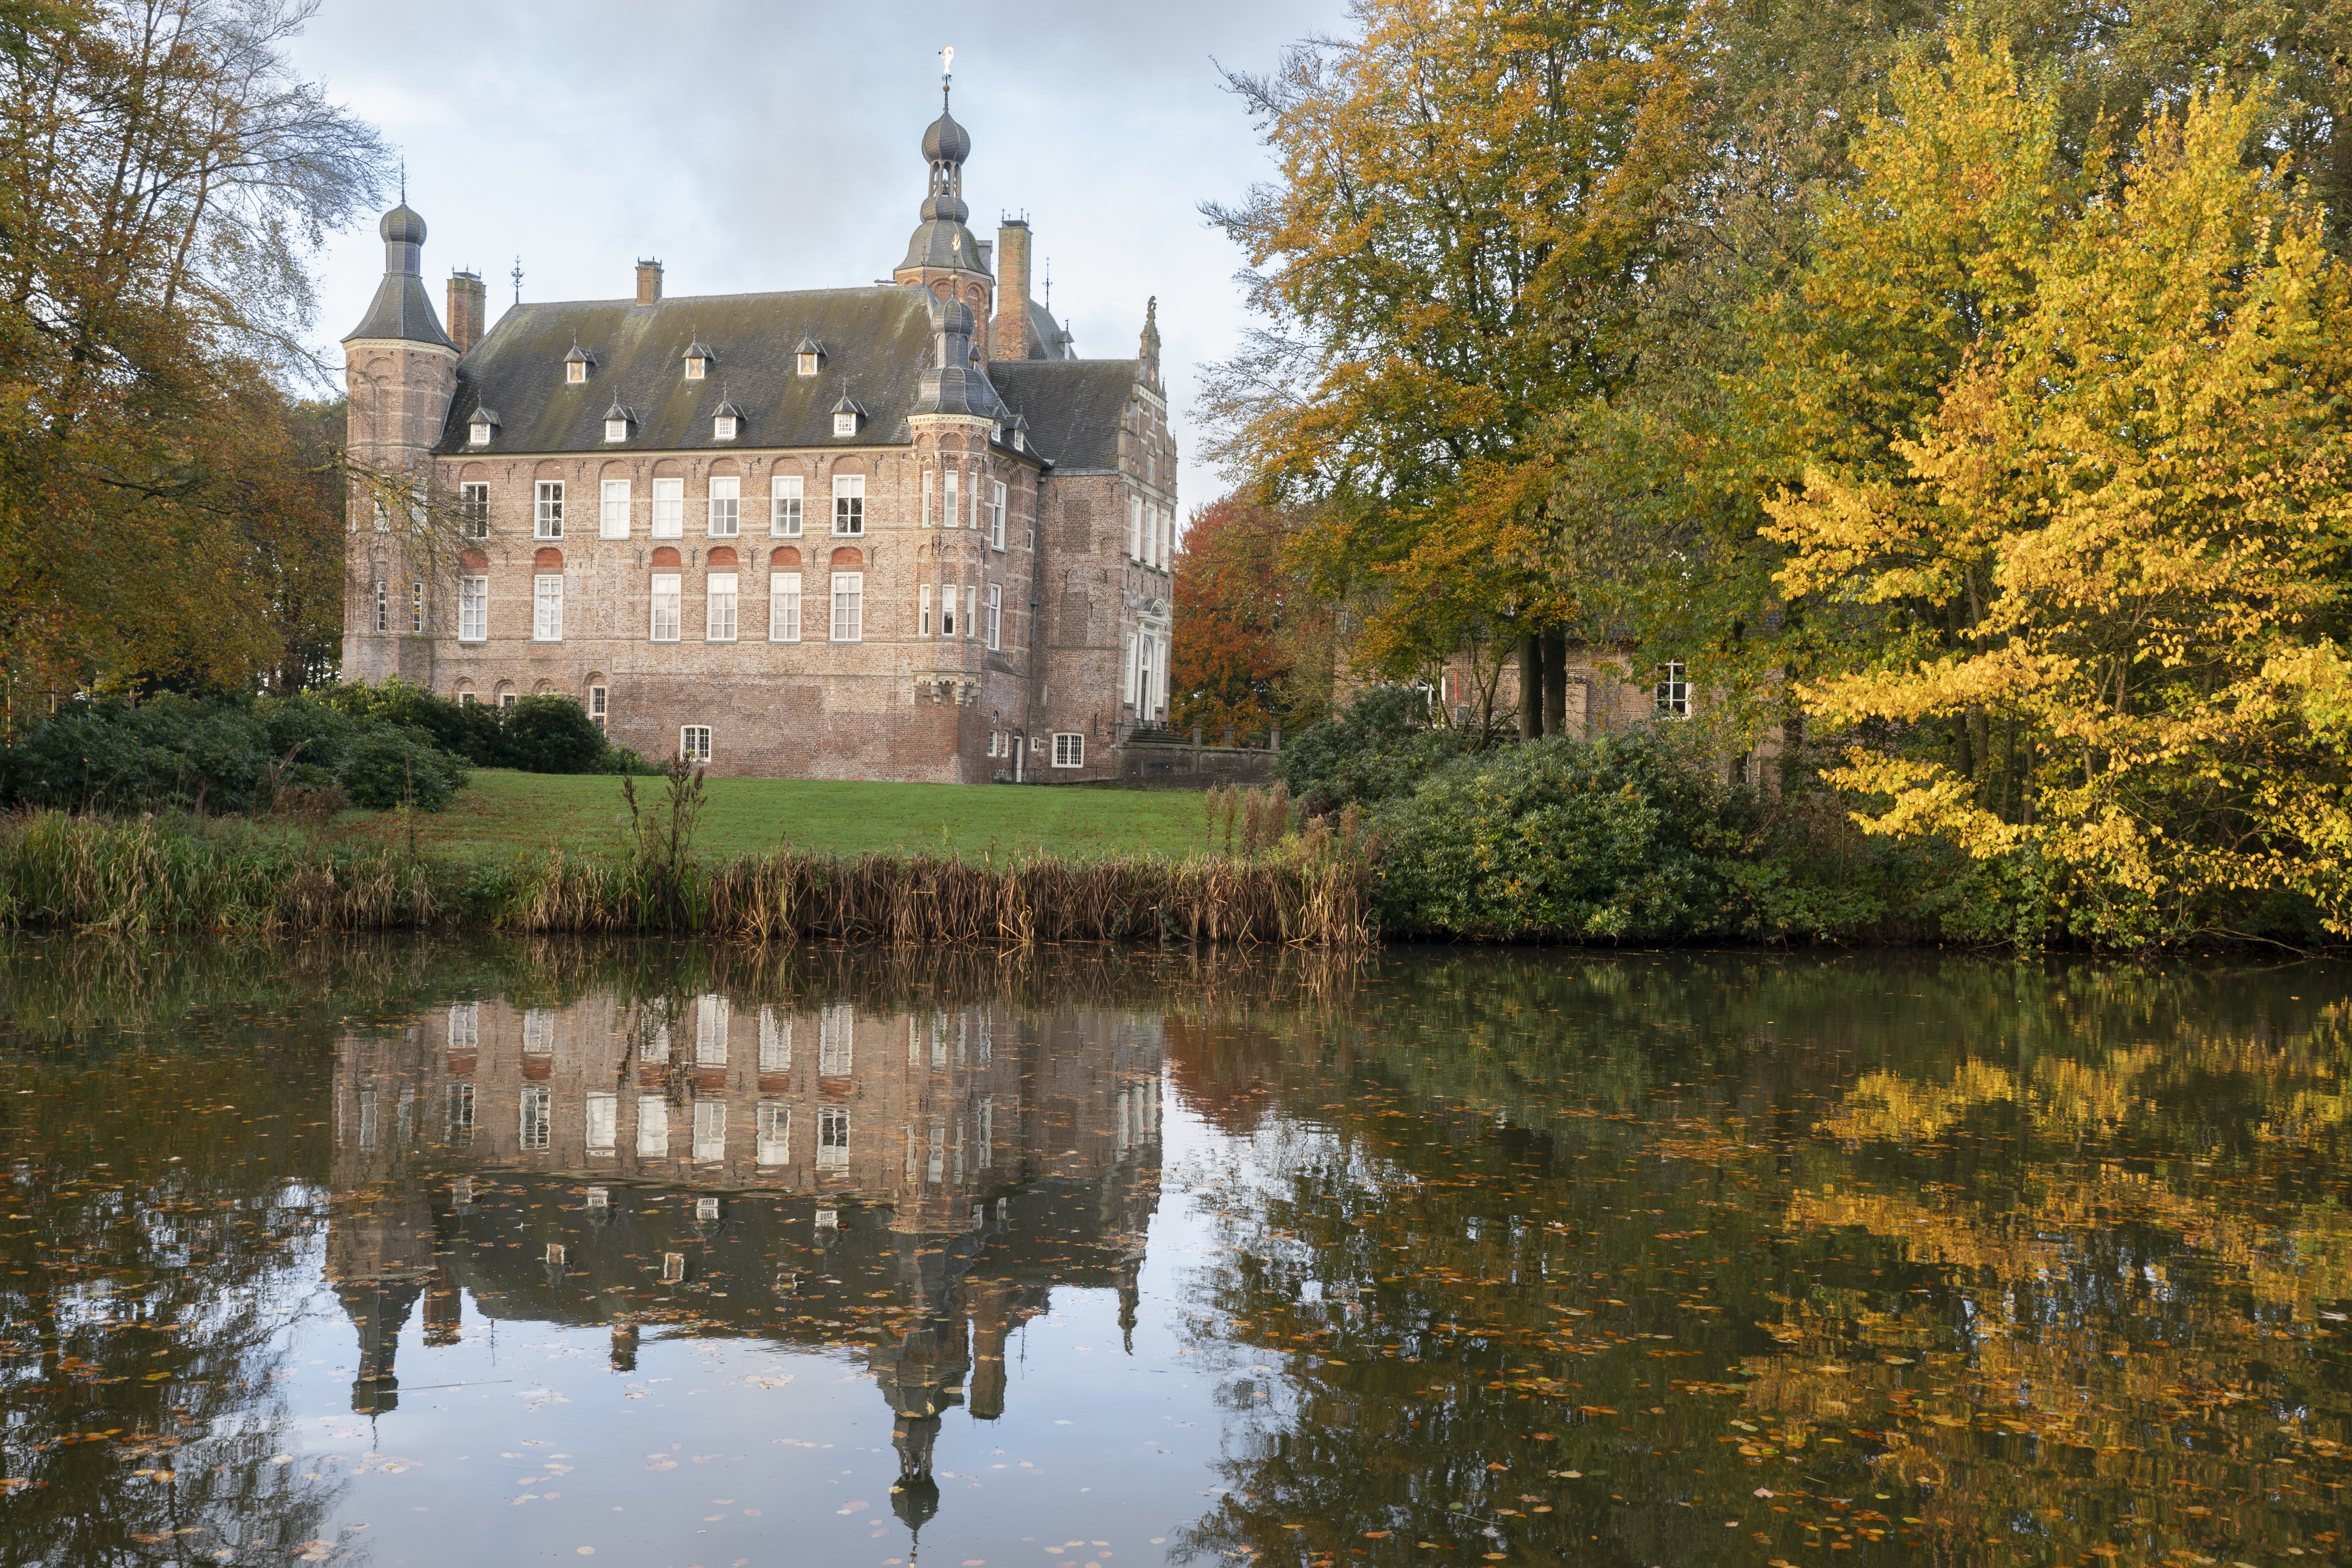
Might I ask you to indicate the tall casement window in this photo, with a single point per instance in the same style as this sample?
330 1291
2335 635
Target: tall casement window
923 611
604 1123
382 605
783 606
1135 527
970 610
835 1041
538 1032
848 606
416 606
785 507
612 509
669 508
546 607
537 1114
474 510
946 610
710 1130
457 1115
1070 751
995 616
473 609
996 519
849 503
547 510
775 1134
711 1016
927 477
599 705
718 622
1673 691
694 742
832 1139
775 1042
949 518
726 506
665 597
653 1127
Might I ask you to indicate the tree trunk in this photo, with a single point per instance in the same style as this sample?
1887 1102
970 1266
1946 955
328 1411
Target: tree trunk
1530 690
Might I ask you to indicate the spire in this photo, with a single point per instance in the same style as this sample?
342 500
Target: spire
402 310
1147 351
943 241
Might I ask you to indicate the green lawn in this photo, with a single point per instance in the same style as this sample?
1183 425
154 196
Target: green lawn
501 812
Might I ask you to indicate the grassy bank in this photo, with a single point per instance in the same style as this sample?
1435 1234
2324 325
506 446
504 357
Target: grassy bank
180 874
502 812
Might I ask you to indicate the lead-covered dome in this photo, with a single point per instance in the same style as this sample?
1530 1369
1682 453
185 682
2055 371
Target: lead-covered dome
401 226
946 142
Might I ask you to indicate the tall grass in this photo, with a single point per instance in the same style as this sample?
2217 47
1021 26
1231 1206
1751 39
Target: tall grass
154 874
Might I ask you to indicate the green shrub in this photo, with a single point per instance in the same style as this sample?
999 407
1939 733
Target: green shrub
472 730
391 764
172 751
1378 750
1557 837
552 733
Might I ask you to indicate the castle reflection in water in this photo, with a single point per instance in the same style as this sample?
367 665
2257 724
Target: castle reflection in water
734 1168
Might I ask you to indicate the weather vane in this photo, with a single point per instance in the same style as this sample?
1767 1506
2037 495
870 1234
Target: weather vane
517 278
947 73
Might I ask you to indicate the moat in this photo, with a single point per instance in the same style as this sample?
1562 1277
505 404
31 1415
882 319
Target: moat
415 1252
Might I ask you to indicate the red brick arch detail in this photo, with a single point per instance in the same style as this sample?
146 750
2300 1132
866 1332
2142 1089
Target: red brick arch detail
847 556
473 560
665 556
720 555
550 556
786 555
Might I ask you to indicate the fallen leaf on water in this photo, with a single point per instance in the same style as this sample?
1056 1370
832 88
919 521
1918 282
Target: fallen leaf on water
852 1507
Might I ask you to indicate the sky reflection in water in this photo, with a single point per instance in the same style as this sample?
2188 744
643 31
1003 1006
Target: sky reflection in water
413 1253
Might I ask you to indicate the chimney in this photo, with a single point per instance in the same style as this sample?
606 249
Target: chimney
1009 334
648 282
987 256
468 302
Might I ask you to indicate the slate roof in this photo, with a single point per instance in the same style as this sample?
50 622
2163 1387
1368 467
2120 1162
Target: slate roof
402 310
1074 407
877 342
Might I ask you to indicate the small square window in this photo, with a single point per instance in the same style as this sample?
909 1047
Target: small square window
616 429
808 361
575 373
482 429
722 429
844 424
696 367
1069 750
694 742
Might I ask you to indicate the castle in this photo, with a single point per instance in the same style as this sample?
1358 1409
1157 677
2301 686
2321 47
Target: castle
899 532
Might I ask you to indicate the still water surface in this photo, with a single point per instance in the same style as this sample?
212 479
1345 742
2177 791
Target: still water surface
689 1258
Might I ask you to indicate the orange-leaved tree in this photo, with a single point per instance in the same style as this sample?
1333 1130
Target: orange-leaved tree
1252 641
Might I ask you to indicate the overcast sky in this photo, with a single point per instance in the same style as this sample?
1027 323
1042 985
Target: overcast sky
754 147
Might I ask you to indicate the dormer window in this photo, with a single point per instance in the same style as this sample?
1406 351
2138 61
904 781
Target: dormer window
996 432
483 426
809 357
846 417
1018 432
726 422
697 361
576 363
575 372
617 423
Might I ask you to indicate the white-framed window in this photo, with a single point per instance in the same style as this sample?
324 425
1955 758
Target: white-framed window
995 616
785 507
834 1041
482 430
616 429
666 606
673 1269
474 510
722 426
473 609
849 598
806 362
845 423
383 523
538 1032
996 518
612 509
546 607
457 1115
927 477
603 1122
602 1197
849 503
382 605
653 1127
946 610
695 367
537 1114
575 372
710 1130
775 1134
831 1138
1135 527
718 620
775 1041
669 508
970 610
506 702
599 705
949 518
1069 750
783 606
923 611
655 1047
694 742
710 1017
726 506
465 1025
1673 691
416 606
547 509
465 700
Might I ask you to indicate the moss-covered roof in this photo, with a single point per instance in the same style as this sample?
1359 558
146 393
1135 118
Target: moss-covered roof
877 341
1074 406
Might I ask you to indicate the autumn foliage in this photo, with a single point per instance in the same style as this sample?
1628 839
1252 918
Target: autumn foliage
1247 629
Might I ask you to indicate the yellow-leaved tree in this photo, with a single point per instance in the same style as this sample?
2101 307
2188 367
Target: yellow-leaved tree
2110 560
